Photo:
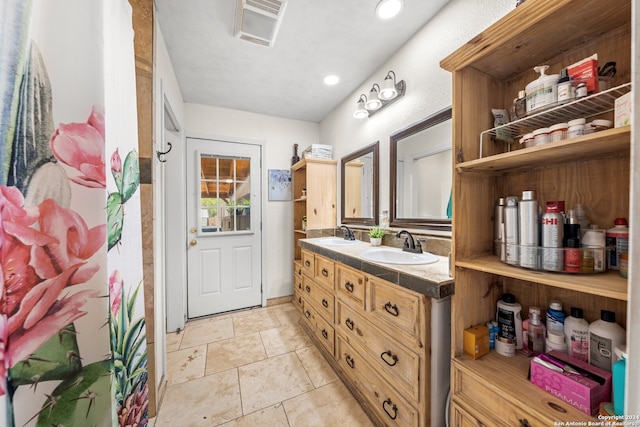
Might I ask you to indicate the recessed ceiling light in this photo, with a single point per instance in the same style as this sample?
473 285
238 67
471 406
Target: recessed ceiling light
387 9
331 80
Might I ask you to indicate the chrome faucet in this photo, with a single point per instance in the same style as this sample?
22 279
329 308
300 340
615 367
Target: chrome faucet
410 245
348 234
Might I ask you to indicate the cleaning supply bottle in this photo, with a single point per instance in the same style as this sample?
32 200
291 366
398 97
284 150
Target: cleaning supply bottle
533 333
604 336
555 316
576 331
510 325
619 374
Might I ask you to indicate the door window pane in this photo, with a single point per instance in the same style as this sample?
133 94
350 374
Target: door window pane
225 194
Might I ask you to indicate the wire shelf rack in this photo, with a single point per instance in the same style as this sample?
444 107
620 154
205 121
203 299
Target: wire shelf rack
590 106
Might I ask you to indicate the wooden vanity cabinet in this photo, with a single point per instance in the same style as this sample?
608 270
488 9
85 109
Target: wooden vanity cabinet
593 169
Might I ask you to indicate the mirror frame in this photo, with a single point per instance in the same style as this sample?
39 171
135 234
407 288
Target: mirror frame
426 223
375 149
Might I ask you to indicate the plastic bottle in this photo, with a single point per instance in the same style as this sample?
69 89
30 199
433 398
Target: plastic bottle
618 237
492 336
619 373
555 341
604 336
555 316
533 332
576 331
510 325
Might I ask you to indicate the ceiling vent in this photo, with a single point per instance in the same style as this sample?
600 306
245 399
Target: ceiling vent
258 21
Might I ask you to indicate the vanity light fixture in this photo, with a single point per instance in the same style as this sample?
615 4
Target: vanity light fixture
380 97
388 9
373 102
361 112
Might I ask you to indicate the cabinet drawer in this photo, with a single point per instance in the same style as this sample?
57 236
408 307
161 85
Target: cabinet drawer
326 334
350 285
398 308
297 268
323 301
471 392
396 363
324 271
461 418
390 407
308 263
297 300
297 283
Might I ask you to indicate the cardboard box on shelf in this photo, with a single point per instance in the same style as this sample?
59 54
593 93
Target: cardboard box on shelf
318 151
622 115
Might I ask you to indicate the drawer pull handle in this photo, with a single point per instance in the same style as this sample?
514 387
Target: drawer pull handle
300 285
392 309
299 300
350 361
307 314
307 264
394 408
556 407
300 271
389 358
325 303
349 323
524 423
325 334
325 272
349 286
308 289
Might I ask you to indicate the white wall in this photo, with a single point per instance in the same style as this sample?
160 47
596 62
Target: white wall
278 136
428 86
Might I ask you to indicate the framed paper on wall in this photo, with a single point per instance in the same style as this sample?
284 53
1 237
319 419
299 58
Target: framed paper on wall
279 184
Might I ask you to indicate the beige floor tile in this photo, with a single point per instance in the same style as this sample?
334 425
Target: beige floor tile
185 365
284 339
174 339
271 381
234 352
272 416
331 405
207 401
205 332
254 321
317 367
286 314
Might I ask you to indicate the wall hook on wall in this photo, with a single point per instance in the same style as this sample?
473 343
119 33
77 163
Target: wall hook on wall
161 154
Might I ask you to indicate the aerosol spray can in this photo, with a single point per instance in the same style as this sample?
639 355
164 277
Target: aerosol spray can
572 254
498 229
552 237
511 230
529 230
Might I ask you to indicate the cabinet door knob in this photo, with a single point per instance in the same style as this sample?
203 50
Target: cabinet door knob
349 323
389 358
394 409
307 314
350 361
307 264
392 309
325 303
524 423
307 288
349 286
325 334
325 272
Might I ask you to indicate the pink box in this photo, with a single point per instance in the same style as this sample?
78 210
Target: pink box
582 392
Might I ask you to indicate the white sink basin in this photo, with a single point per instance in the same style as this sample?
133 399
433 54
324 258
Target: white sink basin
397 256
335 241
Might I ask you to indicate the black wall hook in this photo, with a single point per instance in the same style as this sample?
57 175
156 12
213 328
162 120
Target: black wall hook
161 154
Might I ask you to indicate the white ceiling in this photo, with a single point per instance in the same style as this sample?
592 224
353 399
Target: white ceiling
316 38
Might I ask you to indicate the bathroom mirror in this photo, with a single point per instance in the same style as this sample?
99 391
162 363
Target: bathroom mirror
421 174
360 186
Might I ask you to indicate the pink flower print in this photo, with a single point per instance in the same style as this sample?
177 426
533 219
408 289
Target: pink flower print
81 146
115 291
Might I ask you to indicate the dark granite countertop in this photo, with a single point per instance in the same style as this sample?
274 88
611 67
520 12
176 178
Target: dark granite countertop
432 280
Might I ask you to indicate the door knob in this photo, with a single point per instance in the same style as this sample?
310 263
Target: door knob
193 242
192 230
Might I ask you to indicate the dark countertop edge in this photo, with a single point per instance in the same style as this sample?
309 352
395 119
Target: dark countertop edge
426 287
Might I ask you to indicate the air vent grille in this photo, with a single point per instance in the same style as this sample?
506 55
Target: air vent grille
258 21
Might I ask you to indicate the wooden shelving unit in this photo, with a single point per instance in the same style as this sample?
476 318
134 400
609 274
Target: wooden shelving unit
593 170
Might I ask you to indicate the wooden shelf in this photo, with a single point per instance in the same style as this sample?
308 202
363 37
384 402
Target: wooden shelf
610 284
300 231
300 199
592 146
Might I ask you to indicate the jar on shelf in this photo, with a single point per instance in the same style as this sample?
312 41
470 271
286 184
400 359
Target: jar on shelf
576 128
540 136
598 125
558 132
527 140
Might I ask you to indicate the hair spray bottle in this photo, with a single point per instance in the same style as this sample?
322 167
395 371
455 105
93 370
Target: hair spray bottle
529 230
511 231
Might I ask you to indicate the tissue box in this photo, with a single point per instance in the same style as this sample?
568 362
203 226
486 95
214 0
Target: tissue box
622 115
318 151
476 341
582 392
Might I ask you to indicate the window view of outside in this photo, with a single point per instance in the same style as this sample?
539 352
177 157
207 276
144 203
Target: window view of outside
225 191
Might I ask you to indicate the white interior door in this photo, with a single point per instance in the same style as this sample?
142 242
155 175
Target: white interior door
223 213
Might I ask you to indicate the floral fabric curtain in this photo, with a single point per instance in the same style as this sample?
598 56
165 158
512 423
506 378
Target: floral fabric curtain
72 331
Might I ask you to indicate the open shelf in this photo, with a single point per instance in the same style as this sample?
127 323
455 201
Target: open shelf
592 146
609 284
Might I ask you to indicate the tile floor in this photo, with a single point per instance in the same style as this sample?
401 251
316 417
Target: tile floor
252 368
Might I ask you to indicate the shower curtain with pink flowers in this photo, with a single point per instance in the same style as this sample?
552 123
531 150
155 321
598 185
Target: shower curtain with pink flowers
72 330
